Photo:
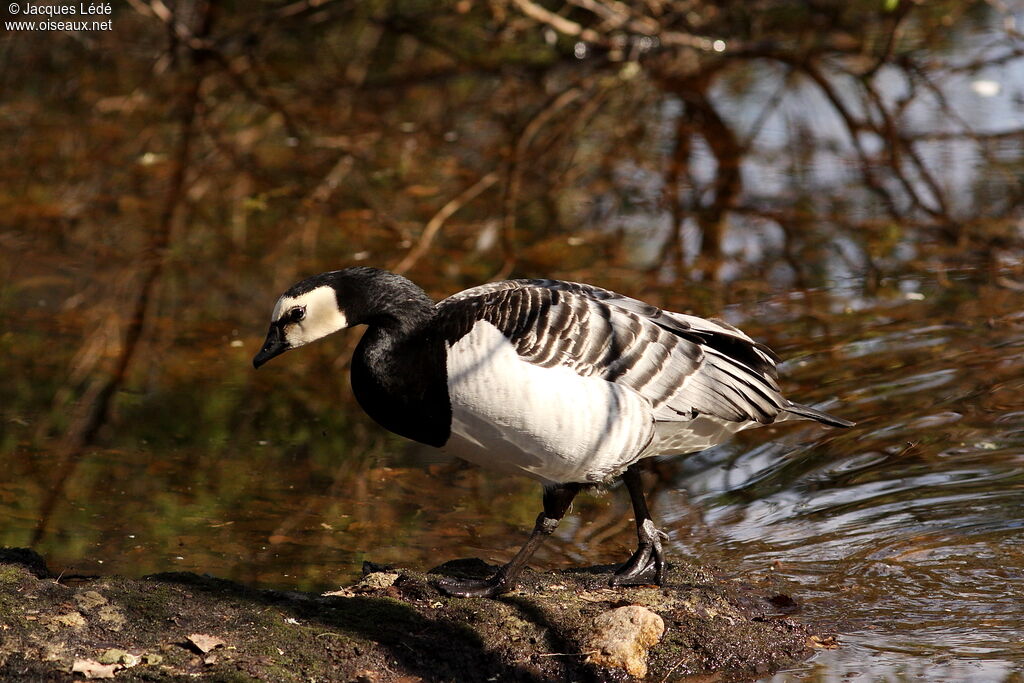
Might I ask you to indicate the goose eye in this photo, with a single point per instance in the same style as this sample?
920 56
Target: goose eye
296 314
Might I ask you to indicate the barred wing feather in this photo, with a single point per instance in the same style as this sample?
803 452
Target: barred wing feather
683 365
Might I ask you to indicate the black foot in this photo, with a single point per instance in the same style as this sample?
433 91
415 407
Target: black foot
499 584
649 555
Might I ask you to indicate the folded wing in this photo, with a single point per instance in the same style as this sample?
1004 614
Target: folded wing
683 365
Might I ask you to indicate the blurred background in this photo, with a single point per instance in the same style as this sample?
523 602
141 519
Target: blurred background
844 180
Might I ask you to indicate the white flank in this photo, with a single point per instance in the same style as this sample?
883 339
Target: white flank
322 316
548 423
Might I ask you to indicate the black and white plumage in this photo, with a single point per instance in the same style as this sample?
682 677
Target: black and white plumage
567 383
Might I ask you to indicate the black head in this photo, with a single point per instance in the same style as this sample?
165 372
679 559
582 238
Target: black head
332 301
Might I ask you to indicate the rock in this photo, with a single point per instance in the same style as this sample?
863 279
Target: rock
117 656
29 559
403 629
622 637
373 581
111 656
378 580
205 643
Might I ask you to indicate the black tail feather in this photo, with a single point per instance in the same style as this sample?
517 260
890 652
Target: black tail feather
820 416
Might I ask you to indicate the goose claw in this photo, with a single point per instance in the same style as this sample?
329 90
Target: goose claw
649 555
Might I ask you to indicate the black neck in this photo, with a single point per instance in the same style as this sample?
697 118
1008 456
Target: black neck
399 373
382 300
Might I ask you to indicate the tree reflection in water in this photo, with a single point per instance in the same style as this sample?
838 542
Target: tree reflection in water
843 178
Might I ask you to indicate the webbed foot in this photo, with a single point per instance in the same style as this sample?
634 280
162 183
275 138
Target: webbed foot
649 555
499 584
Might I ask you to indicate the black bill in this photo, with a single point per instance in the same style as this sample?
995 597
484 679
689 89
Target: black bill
275 345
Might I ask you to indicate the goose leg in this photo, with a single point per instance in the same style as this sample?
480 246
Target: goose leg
557 500
649 553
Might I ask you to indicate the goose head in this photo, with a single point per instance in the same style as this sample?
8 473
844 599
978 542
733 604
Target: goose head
308 311
333 301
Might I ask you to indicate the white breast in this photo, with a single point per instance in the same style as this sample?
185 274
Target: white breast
549 423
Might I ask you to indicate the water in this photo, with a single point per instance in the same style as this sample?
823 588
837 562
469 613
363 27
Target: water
906 531
902 534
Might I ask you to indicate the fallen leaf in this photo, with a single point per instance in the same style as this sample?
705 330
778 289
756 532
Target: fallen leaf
205 643
93 669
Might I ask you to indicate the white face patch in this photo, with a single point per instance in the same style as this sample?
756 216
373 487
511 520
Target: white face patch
321 318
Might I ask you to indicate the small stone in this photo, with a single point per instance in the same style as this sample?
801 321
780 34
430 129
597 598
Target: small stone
88 600
205 643
111 656
622 637
378 580
829 642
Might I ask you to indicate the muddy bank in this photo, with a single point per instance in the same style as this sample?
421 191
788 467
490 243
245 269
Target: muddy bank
392 626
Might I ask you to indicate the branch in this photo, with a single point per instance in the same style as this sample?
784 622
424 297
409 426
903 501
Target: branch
618 16
434 225
522 146
558 22
853 127
895 145
93 409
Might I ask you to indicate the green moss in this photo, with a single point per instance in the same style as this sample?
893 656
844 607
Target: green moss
11 574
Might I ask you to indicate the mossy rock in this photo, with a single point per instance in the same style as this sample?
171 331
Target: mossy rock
393 626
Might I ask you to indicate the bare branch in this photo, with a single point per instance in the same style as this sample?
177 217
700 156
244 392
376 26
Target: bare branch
93 409
558 22
434 225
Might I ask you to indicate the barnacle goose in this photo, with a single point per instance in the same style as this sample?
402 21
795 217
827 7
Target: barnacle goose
567 383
